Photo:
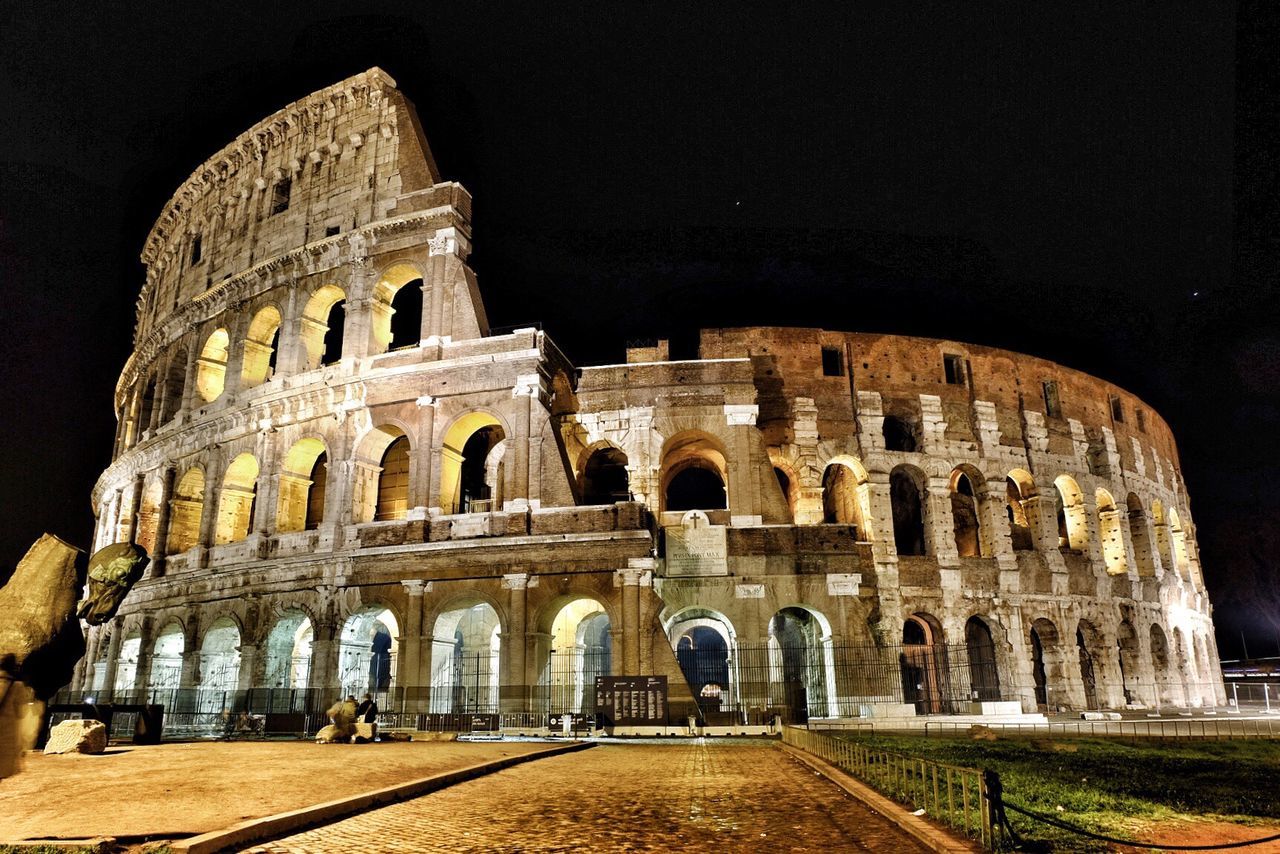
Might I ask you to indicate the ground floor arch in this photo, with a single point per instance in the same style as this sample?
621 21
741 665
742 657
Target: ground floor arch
367 648
127 663
705 645
580 651
219 665
466 651
801 662
984 673
923 662
288 653
166 658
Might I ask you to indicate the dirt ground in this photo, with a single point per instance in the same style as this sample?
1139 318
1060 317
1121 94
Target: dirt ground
1178 835
173 790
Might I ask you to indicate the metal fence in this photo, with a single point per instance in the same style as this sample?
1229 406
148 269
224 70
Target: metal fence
951 794
1200 729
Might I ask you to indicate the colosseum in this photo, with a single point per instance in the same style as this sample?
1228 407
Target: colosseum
350 483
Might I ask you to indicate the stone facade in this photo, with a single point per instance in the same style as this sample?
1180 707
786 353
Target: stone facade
349 483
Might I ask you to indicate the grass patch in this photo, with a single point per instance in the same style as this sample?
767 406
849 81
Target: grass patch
1117 788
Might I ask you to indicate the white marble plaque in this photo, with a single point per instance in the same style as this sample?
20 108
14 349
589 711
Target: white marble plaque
749 591
696 547
843 583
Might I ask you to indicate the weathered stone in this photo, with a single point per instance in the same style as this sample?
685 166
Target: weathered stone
77 737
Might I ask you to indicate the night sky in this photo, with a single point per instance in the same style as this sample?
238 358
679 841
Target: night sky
1091 183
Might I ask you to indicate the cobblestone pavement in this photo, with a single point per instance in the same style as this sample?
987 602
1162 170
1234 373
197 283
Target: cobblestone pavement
628 797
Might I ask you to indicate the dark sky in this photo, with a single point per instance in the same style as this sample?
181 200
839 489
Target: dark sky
1091 183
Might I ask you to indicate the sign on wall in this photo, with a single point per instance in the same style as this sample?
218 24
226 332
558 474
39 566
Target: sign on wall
631 700
696 547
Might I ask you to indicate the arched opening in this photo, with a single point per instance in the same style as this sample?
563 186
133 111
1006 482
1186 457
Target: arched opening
984 675
705 647
966 517
1160 665
697 486
396 309
185 511
899 435
1019 488
906 496
219 665
1140 536
1164 543
466 648
149 515
1043 632
604 477
581 650
302 486
127 665
1130 662
146 406
288 663
393 482
367 651
470 464
1073 527
381 487
211 366
260 346
323 319
166 659
1178 541
846 497
1113 551
175 380
923 664
801 663
236 500
1087 641
694 473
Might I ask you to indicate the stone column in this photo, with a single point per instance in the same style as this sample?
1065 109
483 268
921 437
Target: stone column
631 581
209 507
113 658
163 516
513 692
357 332
324 659
142 675
518 473
268 485
421 487
411 679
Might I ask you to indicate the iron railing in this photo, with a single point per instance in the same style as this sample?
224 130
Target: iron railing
951 794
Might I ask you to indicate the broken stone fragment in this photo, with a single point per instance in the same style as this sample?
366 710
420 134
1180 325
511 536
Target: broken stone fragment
77 737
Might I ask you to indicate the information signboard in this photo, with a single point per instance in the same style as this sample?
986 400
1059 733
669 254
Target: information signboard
632 700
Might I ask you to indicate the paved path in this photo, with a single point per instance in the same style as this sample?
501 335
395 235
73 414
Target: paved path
686 796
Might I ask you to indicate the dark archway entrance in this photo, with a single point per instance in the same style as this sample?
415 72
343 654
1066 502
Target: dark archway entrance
984 676
923 665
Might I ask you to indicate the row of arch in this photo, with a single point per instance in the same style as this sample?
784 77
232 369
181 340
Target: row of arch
396 312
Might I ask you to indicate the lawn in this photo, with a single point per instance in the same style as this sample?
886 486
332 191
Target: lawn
1117 788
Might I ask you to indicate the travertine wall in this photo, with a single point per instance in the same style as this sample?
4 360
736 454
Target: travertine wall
236 388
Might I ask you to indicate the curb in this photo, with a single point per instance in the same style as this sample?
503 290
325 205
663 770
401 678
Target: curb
286 822
930 835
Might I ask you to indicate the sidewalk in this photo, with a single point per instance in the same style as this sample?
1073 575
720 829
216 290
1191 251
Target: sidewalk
172 790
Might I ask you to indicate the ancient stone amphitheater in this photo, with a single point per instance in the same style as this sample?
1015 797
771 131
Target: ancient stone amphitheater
351 483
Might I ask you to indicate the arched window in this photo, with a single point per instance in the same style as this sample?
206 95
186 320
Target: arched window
185 511
905 494
899 435
393 482
1178 546
260 347
966 518
211 367
146 407
1073 528
604 477
471 470
1113 552
694 473
396 309
1140 536
302 486
844 497
323 319
696 486
175 379
1018 488
236 501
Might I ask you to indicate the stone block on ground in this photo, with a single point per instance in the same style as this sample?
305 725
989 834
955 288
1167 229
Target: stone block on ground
330 734
365 733
77 737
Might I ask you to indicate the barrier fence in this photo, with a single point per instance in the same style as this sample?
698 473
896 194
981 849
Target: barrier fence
951 794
